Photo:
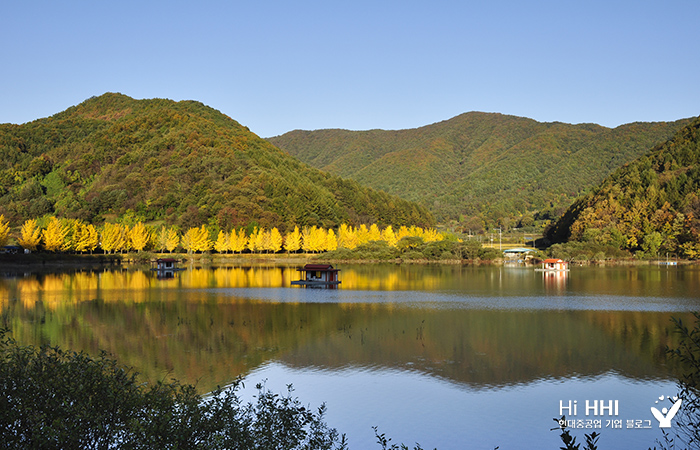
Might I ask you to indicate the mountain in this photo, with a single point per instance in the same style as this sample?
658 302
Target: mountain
651 204
490 165
179 162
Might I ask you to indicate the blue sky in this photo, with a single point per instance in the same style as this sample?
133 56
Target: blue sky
277 66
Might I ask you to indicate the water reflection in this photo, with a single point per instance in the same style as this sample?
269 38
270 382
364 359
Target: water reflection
208 326
445 338
413 407
136 285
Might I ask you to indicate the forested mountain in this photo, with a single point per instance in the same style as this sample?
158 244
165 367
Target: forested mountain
480 164
651 204
180 162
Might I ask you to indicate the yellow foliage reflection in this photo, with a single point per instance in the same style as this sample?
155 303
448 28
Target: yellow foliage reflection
135 286
185 327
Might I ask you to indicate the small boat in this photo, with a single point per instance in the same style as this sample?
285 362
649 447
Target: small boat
318 275
554 265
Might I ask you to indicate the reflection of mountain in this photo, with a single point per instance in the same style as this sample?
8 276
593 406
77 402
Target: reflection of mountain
496 347
209 336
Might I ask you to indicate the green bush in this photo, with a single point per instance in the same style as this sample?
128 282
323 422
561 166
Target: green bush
585 251
470 249
373 250
489 254
410 242
412 256
437 249
55 399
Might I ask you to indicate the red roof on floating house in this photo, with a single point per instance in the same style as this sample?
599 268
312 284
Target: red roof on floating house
320 267
553 261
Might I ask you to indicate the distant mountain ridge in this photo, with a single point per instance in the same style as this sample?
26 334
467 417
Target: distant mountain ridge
178 162
480 164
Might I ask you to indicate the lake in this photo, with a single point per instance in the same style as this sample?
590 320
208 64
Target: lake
448 356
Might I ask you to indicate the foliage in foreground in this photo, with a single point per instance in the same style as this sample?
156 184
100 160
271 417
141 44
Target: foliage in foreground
55 399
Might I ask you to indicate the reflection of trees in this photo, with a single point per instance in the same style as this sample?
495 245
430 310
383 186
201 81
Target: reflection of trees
496 347
209 337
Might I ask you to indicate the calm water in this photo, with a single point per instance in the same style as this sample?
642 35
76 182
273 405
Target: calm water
451 357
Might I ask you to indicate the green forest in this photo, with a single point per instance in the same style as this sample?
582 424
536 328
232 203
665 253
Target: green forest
185 166
650 206
174 163
481 169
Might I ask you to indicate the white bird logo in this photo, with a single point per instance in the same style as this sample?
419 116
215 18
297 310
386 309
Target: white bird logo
665 416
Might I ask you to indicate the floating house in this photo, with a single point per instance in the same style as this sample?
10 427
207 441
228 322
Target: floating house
554 265
165 267
318 275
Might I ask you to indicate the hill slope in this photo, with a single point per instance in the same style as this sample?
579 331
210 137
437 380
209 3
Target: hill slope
181 162
651 204
485 164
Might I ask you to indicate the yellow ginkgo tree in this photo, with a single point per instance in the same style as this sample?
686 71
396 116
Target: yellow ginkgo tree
292 240
139 236
54 236
29 235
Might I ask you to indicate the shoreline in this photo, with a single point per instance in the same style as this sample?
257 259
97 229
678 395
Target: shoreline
49 262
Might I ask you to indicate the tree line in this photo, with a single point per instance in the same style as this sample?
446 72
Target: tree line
63 235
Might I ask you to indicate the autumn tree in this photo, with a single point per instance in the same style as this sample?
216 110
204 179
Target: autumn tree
172 239
93 238
389 236
85 237
188 240
374 234
239 240
124 240
402 233
275 241
111 237
331 241
292 240
30 234
362 234
196 240
313 239
347 237
72 227
223 242
431 235
54 235
255 241
265 240
139 236
162 238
